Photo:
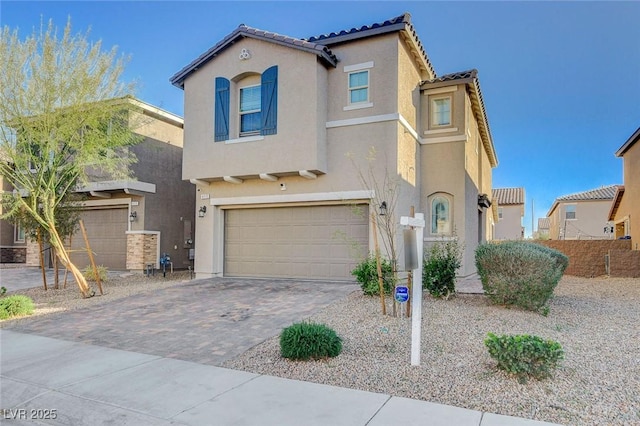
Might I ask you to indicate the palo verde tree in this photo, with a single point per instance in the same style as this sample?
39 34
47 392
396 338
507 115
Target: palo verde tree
63 118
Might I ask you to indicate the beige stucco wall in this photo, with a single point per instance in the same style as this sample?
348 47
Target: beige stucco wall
591 218
510 226
297 144
629 208
323 135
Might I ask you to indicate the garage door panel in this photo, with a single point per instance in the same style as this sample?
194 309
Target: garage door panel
312 242
106 231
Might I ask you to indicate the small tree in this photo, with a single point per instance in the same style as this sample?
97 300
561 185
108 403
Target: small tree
63 117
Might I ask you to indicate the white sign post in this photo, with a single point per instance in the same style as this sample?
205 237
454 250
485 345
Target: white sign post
416 303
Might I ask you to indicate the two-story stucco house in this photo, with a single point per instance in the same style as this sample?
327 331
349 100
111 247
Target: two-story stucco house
277 135
582 216
130 223
625 209
510 205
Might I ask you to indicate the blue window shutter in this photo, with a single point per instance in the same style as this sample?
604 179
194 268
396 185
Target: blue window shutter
269 125
221 132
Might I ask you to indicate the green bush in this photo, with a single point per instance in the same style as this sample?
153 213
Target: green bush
520 273
524 356
305 340
90 276
15 306
440 265
366 273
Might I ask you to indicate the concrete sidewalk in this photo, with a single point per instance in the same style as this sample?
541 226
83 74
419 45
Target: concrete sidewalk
79 384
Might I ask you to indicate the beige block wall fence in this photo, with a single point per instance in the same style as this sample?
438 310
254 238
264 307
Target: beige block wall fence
587 257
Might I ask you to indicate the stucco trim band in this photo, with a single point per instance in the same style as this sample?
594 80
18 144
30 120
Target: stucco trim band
294 198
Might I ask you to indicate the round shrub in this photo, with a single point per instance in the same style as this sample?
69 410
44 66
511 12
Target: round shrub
306 340
366 273
15 306
519 273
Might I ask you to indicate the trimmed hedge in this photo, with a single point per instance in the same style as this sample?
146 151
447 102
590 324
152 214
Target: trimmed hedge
307 340
520 273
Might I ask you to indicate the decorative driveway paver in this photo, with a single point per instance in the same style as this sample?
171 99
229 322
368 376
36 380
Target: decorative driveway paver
204 321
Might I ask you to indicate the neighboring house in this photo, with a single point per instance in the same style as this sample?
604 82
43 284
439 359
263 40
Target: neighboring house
543 229
278 131
130 223
625 209
582 216
13 242
510 206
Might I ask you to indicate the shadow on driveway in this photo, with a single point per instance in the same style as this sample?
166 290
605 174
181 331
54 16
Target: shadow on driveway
204 321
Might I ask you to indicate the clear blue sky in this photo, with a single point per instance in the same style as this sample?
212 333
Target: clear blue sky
560 80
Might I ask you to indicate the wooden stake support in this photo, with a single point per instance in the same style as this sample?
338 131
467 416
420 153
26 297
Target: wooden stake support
378 266
90 253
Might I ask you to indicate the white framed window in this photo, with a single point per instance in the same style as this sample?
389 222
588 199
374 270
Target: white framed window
440 211
250 101
500 212
359 87
441 111
19 234
570 211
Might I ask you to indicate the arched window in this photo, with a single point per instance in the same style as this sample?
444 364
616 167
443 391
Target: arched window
440 215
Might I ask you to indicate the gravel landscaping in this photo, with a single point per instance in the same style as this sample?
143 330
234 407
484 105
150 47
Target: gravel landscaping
595 320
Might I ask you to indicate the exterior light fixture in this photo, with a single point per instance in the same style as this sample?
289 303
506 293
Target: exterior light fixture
383 208
202 211
133 217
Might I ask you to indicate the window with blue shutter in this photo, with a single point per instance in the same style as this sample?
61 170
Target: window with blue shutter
221 132
269 122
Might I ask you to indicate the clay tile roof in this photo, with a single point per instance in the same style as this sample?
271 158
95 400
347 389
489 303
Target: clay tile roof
544 223
399 23
602 193
508 196
454 76
322 51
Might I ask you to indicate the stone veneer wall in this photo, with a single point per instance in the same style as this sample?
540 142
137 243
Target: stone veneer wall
587 257
32 255
13 254
142 249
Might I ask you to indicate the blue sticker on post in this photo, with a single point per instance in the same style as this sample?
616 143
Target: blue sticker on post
401 294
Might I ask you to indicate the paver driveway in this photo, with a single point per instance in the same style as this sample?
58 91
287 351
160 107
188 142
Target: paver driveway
204 321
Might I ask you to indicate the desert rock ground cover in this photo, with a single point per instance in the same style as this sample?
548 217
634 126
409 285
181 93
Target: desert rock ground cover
595 320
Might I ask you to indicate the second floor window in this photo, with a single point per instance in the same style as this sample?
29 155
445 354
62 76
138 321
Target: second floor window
570 211
441 112
359 87
20 236
257 107
250 107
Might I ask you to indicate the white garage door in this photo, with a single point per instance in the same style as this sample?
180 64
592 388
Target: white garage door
315 242
106 231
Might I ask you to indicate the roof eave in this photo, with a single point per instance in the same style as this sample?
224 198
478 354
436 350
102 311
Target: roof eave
240 32
616 203
361 34
629 143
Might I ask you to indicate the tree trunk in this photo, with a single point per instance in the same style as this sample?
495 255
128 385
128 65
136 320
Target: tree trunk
63 255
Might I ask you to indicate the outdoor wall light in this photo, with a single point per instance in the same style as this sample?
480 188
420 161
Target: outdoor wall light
202 211
383 208
133 217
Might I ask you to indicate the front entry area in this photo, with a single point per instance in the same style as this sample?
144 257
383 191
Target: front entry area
308 242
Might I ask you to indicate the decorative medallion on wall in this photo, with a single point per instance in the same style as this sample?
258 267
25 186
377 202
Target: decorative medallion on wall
245 54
